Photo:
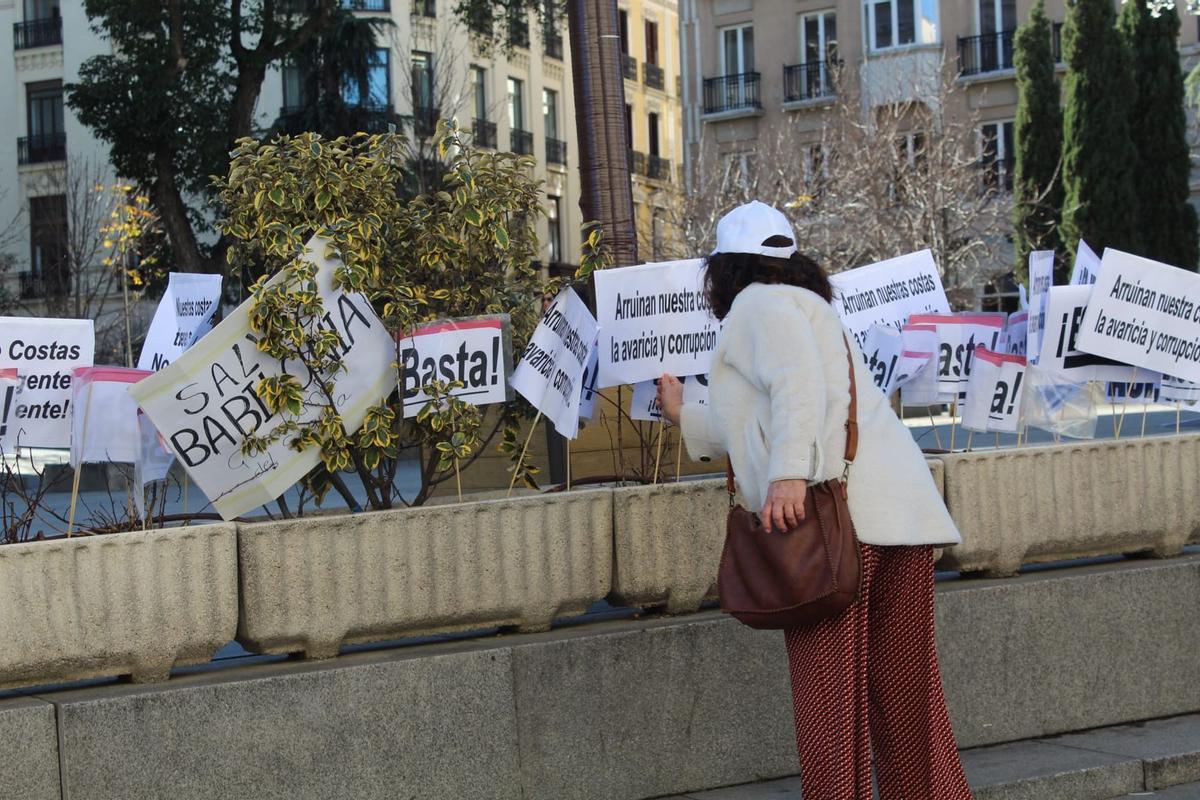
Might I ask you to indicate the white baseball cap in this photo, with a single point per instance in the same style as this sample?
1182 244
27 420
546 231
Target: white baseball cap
745 228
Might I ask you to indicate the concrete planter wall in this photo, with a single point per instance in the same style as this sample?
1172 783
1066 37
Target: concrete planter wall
311 585
132 604
667 544
1040 504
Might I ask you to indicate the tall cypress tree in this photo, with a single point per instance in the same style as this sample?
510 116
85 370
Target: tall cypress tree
1099 158
1037 132
1159 130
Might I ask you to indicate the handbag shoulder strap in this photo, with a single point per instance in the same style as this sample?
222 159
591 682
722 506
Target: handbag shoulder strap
851 426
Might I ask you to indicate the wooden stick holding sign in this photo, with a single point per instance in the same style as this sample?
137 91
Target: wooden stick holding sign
678 456
87 413
662 431
521 458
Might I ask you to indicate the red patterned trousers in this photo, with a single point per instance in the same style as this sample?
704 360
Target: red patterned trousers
868 680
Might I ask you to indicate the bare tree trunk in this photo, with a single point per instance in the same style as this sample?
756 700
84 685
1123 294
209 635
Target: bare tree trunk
246 91
606 195
174 213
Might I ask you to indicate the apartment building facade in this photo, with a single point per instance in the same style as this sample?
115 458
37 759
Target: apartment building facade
751 66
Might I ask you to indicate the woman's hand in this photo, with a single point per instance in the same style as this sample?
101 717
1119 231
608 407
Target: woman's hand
784 507
670 397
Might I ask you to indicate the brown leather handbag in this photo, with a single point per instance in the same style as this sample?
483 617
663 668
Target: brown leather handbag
811 572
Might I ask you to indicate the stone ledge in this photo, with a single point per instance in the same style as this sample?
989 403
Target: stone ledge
27 729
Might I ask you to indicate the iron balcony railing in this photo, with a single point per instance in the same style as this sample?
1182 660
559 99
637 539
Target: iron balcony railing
732 93
810 81
370 5
42 149
294 120
997 173
552 43
991 52
33 286
658 168
637 162
37 33
521 142
484 133
556 151
425 8
518 32
629 66
425 120
652 75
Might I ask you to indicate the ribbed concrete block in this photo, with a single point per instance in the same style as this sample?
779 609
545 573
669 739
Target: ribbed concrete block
312 585
1037 504
125 604
30 770
667 544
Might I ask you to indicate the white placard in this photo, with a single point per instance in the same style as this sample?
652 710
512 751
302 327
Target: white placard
104 426
44 352
958 336
920 388
1140 392
206 405
1060 353
1087 266
654 319
888 292
1016 333
472 351
644 404
882 353
1041 278
588 390
1146 314
1175 390
550 374
10 389
184 315
994 391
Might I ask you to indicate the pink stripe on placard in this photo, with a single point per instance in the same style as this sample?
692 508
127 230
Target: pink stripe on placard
442 327
925 328
1018 316
931 319
998 358
9 372
110 374
911 354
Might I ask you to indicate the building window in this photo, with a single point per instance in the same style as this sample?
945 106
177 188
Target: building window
996 155
44 109
516 104
652 130
377 92
623 28
553 219
651 42
818 37
422 80
996 16
49 269
479 89
629 124
550 112
737 49
898 23
293 88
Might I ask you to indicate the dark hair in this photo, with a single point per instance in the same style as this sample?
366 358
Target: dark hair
726 274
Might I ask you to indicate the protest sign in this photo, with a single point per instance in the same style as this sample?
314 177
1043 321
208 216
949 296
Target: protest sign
888 292
1060 353
644 405
882 353
958 336
475 351
920 386
993 402
1087 266
10 387
1041 278
588 391
653 319
1058 404
550 374
44 352
1146 314
206 403
1140 392
104 424
1175 390
1016 333
184 315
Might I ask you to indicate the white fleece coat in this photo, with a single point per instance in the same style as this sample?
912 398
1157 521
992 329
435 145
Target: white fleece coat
779 394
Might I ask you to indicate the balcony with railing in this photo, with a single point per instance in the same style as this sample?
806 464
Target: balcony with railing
552 43
629 66
521 142
483 133
37 33
808 82
372 5
294 120
980 55
658 168
556 152
653 75
35 286
733 94
42 149
637 163
425 8
425 120
518 31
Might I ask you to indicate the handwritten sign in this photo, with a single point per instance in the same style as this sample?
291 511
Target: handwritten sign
44 352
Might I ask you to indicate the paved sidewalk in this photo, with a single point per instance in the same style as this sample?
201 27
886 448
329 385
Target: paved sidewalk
1158 759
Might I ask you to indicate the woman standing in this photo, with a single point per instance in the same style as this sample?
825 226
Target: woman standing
867 679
